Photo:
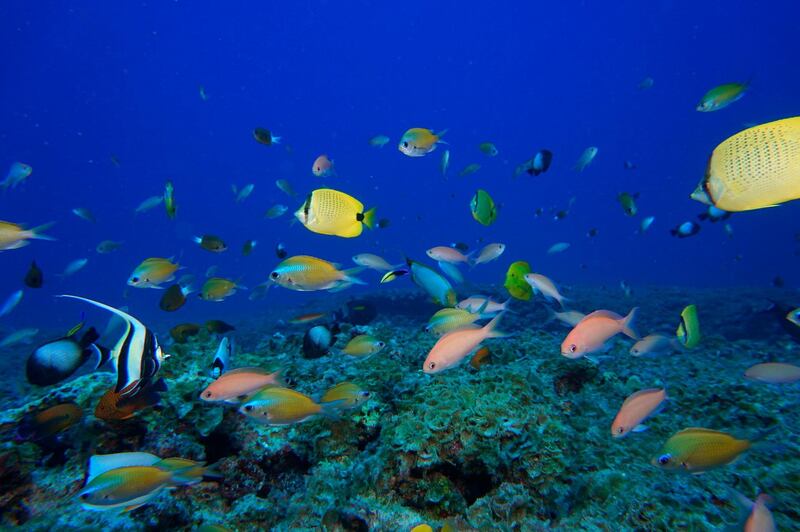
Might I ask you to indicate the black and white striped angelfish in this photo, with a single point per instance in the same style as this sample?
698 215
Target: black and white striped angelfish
137 355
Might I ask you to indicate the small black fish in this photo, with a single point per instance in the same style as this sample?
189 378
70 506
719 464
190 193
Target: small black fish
174 298
383 223
34 278
538 212
778 282
280 251
540 163
248 247
211 243
560 215
219 327
591 233
629 165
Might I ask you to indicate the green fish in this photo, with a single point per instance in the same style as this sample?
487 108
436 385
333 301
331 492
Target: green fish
488 149
517 286
688 332
722 96
169 200
628 202
469 170
483 208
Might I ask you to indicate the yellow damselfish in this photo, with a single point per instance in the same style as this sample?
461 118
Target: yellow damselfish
276 405
697 449
330 212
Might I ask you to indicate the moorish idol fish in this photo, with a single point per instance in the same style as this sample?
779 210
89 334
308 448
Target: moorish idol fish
137 355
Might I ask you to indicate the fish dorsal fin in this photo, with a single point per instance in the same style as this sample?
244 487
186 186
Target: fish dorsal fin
259 371
640 393
701 430
101 463
602 314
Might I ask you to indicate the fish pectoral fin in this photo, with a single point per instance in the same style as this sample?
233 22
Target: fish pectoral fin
640 428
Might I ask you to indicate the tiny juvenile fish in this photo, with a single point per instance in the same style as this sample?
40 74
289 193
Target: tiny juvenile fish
418 142
363 345
244 193
11 302
169 200
248 246
74 267
276 211
558 247
444 164
586 158
21 336
628 203
84 213
108 246
378 141
285 187
469 169
149 203
345 395
488 148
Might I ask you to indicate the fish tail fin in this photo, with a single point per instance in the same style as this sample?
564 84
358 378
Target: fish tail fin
38 230
89 337
441 134
332 409
764 433
195 239
561 300
629 324
274 139
212 472
350 275
369 218
505 306
491 328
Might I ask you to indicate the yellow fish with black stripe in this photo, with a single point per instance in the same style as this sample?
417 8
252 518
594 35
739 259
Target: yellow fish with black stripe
330 212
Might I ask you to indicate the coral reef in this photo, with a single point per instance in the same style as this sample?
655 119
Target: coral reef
522 442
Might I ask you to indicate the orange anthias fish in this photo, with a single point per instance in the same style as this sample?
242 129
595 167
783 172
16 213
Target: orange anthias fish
636 408
50 421
759 518
323 167
235 384
453 347
592 332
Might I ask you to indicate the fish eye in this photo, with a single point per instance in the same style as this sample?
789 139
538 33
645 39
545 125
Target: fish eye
381 344
620 430
405 144
248 408
274 275
664 459
573 348
134 279
84 496
207 395
432 365
364 394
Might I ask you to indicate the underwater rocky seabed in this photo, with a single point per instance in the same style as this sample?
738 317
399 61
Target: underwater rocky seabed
522 443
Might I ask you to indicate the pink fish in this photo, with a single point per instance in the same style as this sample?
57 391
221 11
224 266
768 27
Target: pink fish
654 344
447 254
452 348
636 408
475 303
233 385
774 373
760 518
592 332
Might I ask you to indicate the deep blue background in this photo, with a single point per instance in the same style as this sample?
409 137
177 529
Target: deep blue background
83 82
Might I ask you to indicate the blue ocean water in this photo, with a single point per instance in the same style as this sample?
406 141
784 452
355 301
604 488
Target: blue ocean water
87 82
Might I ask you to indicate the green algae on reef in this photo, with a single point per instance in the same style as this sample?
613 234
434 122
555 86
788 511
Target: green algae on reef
522 443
